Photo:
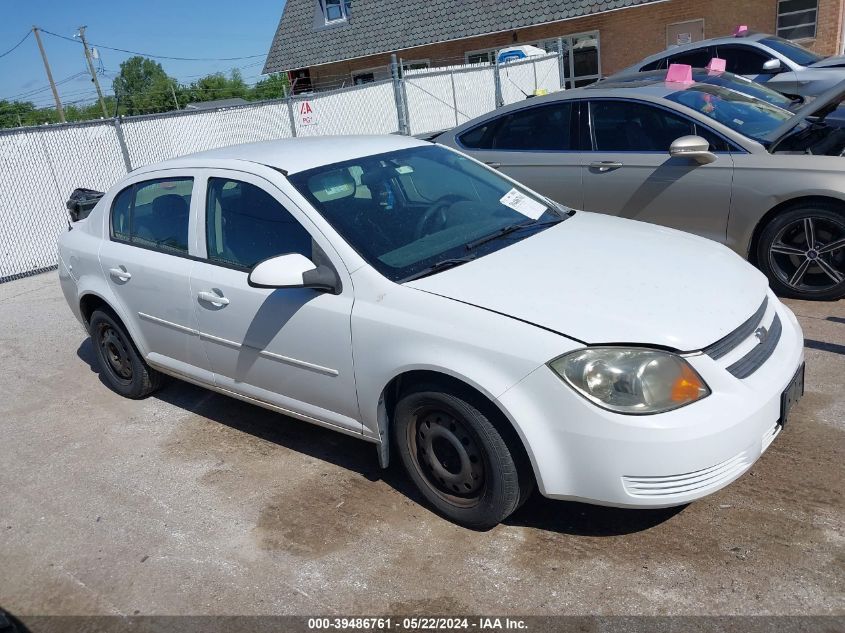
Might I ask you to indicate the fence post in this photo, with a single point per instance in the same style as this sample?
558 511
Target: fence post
497 80
291 117
561 66
121 140
534 68
454 96
399 96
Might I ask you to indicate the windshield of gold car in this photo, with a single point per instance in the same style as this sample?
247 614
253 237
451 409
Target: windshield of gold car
741 112
411 211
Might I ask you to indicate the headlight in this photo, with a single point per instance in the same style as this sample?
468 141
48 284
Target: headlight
627 380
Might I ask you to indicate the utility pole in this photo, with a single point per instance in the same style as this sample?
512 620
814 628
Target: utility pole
59 107
93 72
173 92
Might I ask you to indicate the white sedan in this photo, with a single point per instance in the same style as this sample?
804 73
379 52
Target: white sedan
408 295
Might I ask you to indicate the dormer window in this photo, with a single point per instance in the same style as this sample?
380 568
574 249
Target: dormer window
335 10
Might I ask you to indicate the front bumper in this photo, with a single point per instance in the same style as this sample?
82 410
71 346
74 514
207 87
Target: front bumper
581 452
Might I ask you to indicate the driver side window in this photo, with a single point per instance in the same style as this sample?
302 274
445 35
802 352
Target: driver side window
246 225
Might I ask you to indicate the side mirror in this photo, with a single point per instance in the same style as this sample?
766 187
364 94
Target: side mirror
693 147
293 271
772 66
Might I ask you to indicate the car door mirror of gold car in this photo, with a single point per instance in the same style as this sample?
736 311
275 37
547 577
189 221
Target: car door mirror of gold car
293 271
693 148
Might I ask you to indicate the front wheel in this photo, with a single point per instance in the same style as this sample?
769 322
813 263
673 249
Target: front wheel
120 363
802 252
458 459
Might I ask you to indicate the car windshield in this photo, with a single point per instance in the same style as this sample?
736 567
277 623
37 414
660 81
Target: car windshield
415 211
742 113
746 86
791 50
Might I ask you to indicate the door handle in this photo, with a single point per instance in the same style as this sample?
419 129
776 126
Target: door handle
120 273
494 165
213 298
605 165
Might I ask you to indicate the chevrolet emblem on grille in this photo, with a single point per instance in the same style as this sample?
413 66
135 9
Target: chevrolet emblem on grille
761 333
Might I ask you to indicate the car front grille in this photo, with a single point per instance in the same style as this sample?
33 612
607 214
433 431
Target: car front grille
727 344
670 485
767 337
754 359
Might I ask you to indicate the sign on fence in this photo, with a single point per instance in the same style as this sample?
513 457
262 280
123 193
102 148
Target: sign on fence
307 116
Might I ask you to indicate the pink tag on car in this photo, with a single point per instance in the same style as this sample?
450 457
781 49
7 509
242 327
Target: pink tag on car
742 28
679 74
716 65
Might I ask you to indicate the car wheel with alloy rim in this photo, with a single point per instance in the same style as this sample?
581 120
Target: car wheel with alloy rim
802 251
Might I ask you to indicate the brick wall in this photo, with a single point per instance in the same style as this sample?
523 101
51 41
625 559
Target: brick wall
626 36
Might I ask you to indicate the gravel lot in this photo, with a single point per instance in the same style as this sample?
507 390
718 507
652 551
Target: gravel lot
193 503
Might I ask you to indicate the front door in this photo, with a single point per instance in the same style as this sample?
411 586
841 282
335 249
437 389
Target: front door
288 347
629 172
146 263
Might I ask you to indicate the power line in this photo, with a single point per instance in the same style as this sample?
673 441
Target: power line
181 59
23 39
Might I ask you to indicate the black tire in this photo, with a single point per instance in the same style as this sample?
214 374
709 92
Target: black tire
797 268
458 458
120 363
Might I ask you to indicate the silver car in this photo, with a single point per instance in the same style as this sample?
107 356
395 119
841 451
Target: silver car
700 157
779 63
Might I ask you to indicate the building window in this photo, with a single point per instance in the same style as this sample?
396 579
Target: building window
797 19
582 64
335 10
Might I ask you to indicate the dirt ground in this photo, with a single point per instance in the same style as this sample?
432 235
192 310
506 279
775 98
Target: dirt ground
193 503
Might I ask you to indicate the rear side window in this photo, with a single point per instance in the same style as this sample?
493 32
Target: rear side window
480 137
154 214
246 225
541 128
698 58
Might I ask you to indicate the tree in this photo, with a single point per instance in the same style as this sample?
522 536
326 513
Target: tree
219 86
142 87
272 87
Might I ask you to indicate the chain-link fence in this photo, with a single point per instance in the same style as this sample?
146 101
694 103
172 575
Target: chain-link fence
41 166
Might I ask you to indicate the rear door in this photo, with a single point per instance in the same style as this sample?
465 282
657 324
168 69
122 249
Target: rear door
629 172
147 262
536 145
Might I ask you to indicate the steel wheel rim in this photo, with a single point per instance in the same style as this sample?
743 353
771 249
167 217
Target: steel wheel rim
447 454
808 254
116 354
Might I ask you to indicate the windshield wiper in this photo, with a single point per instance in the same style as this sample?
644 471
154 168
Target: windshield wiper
507 230
436 268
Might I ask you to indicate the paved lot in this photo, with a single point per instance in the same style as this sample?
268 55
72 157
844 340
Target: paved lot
190 502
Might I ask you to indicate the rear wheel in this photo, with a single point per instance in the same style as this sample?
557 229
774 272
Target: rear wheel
458 459
120 363
802 252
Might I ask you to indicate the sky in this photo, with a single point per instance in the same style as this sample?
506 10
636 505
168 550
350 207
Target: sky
174 28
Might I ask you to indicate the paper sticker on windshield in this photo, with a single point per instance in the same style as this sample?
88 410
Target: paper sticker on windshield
405 169
523 204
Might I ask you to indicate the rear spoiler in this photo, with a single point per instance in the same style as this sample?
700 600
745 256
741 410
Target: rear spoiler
81 202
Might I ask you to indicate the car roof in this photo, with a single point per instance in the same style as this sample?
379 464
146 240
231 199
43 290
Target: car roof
729 39
293 155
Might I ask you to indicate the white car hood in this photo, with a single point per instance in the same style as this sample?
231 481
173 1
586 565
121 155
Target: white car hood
600 279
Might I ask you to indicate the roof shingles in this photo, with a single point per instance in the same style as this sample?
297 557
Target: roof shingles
380 26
